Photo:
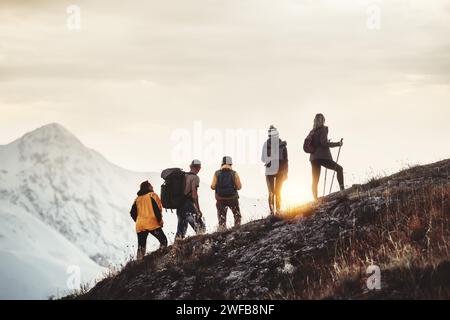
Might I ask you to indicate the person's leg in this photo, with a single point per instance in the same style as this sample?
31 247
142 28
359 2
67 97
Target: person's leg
193 220
315 177
270 180
182 223
332 165
221 214
200 224
159 234
142 244
234 206
278 186
340 177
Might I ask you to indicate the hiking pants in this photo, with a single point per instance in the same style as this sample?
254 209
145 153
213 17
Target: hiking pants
329 164
222 208
187 215
274 186
142 240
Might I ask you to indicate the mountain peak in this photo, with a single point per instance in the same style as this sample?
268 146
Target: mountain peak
51 133
53 127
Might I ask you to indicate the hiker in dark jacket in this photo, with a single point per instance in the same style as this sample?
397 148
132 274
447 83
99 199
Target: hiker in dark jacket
321 157
147 213
226 183
190 213
275 158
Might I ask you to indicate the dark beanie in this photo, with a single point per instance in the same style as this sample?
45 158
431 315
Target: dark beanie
227 160
146 186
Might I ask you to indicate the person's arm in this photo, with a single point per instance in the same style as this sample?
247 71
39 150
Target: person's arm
157 207
284 166
194 193
237 181
214 182
157 211
324 139
196 203
335 144
133 212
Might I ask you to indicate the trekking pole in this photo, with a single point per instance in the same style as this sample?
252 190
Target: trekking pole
325 182
337 159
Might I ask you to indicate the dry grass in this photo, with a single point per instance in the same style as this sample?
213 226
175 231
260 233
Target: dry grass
407 242
407 236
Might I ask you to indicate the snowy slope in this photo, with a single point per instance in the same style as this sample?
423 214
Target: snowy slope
48 178
34 258
52 176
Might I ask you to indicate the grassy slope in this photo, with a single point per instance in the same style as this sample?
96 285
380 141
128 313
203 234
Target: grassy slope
319 250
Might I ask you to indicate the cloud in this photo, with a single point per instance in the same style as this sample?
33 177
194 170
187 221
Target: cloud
262 60
195 41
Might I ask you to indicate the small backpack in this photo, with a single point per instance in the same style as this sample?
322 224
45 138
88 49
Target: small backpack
225 186
172 190
283 151
308 144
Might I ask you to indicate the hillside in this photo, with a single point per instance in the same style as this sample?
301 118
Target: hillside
319 250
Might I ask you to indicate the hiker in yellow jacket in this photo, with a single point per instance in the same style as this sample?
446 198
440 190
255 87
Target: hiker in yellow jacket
147 213
226 183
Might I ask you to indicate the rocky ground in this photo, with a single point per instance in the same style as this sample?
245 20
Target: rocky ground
320 250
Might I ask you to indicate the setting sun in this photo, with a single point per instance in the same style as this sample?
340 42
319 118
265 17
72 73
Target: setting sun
294 194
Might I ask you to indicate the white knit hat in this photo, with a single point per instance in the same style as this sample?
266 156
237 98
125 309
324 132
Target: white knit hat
273 131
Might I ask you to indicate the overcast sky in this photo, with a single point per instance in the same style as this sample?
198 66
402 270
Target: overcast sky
138 71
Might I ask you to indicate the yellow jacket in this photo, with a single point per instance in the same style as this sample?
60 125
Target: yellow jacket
146 218
237 181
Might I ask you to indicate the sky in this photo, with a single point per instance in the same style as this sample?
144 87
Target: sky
140 80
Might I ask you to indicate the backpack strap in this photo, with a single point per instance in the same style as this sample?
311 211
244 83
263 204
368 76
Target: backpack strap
233 175
156 210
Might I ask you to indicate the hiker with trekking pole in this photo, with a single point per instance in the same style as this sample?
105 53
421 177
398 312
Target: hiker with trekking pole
318 145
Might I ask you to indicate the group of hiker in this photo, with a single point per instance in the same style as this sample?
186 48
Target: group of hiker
180 189
180 192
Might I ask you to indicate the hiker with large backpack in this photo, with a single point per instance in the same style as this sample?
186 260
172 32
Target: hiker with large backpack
180 192
147 213
318 145
275 158
226 184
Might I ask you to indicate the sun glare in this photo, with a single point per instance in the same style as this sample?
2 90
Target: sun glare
294 195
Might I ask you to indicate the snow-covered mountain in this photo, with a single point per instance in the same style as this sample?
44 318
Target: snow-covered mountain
35 260
58 196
